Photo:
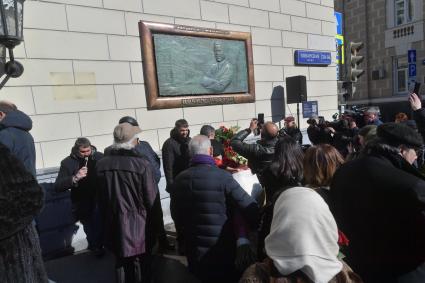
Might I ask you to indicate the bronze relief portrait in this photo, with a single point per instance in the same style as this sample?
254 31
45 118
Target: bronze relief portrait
189 66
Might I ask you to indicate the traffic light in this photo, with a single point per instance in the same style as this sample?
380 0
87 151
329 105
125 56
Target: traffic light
355 60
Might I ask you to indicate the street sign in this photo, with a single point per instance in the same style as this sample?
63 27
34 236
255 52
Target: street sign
310 109
412 70
304 57
339 41
338 21
411 56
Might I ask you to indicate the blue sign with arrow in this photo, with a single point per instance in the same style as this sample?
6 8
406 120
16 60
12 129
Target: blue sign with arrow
338 17
411 56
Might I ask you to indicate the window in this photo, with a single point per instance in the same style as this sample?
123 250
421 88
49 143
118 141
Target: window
403 11
401 74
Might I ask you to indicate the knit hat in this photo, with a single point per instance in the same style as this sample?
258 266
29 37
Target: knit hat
124 132
396 134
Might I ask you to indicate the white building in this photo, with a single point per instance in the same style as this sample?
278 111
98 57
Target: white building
83 65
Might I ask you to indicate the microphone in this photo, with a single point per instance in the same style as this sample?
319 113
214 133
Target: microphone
86 159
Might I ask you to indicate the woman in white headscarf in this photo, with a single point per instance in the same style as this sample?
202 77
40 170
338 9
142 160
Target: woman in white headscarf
302 246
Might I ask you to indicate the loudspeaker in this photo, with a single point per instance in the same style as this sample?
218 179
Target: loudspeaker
296 89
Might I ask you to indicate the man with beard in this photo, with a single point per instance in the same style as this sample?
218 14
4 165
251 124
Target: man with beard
378 201
175 159
291 129
77 173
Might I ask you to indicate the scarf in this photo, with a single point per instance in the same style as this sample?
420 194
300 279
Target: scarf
202 159
304 236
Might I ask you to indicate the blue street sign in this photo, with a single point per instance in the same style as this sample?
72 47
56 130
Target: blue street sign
338 21
412 70
310 109
411 56
303 57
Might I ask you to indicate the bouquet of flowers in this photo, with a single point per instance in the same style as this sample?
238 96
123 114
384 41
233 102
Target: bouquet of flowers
230 158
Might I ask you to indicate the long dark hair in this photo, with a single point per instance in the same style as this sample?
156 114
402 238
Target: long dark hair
287 164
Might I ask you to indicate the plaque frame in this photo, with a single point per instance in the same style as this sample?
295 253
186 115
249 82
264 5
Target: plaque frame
153 98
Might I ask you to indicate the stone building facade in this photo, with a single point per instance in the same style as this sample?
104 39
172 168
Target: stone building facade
83 65
388 28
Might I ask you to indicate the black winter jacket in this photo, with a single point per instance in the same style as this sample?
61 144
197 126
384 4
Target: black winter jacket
129 201
14 134
259 155
86 187
204 197
175 156
378 201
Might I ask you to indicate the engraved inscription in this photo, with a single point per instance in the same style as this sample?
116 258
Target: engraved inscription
207 101
199 29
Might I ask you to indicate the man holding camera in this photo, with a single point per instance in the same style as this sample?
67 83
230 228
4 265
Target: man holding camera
260 154
318 132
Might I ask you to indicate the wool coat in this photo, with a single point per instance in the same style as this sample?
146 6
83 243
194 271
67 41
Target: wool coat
378 201
129 202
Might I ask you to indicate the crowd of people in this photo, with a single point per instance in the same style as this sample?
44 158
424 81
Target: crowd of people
350 207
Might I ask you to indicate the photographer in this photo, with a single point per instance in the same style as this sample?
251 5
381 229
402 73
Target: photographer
345 132
318 132
261 153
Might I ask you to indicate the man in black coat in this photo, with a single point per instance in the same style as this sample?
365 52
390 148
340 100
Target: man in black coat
14 133
175 159
204 199
175 153
77 173
260 154
129 201
378 201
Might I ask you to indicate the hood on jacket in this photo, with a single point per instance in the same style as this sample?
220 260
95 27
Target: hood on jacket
174 133
17 119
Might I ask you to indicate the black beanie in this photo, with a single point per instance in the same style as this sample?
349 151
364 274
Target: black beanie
396 134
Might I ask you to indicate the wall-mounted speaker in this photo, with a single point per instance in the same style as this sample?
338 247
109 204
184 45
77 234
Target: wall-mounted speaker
296 89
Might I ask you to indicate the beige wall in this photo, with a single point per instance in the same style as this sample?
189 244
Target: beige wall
83 68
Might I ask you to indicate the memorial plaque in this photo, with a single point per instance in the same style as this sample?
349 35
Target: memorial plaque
190 66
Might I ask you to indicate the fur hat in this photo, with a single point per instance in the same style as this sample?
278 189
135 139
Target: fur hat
124 132
396 134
